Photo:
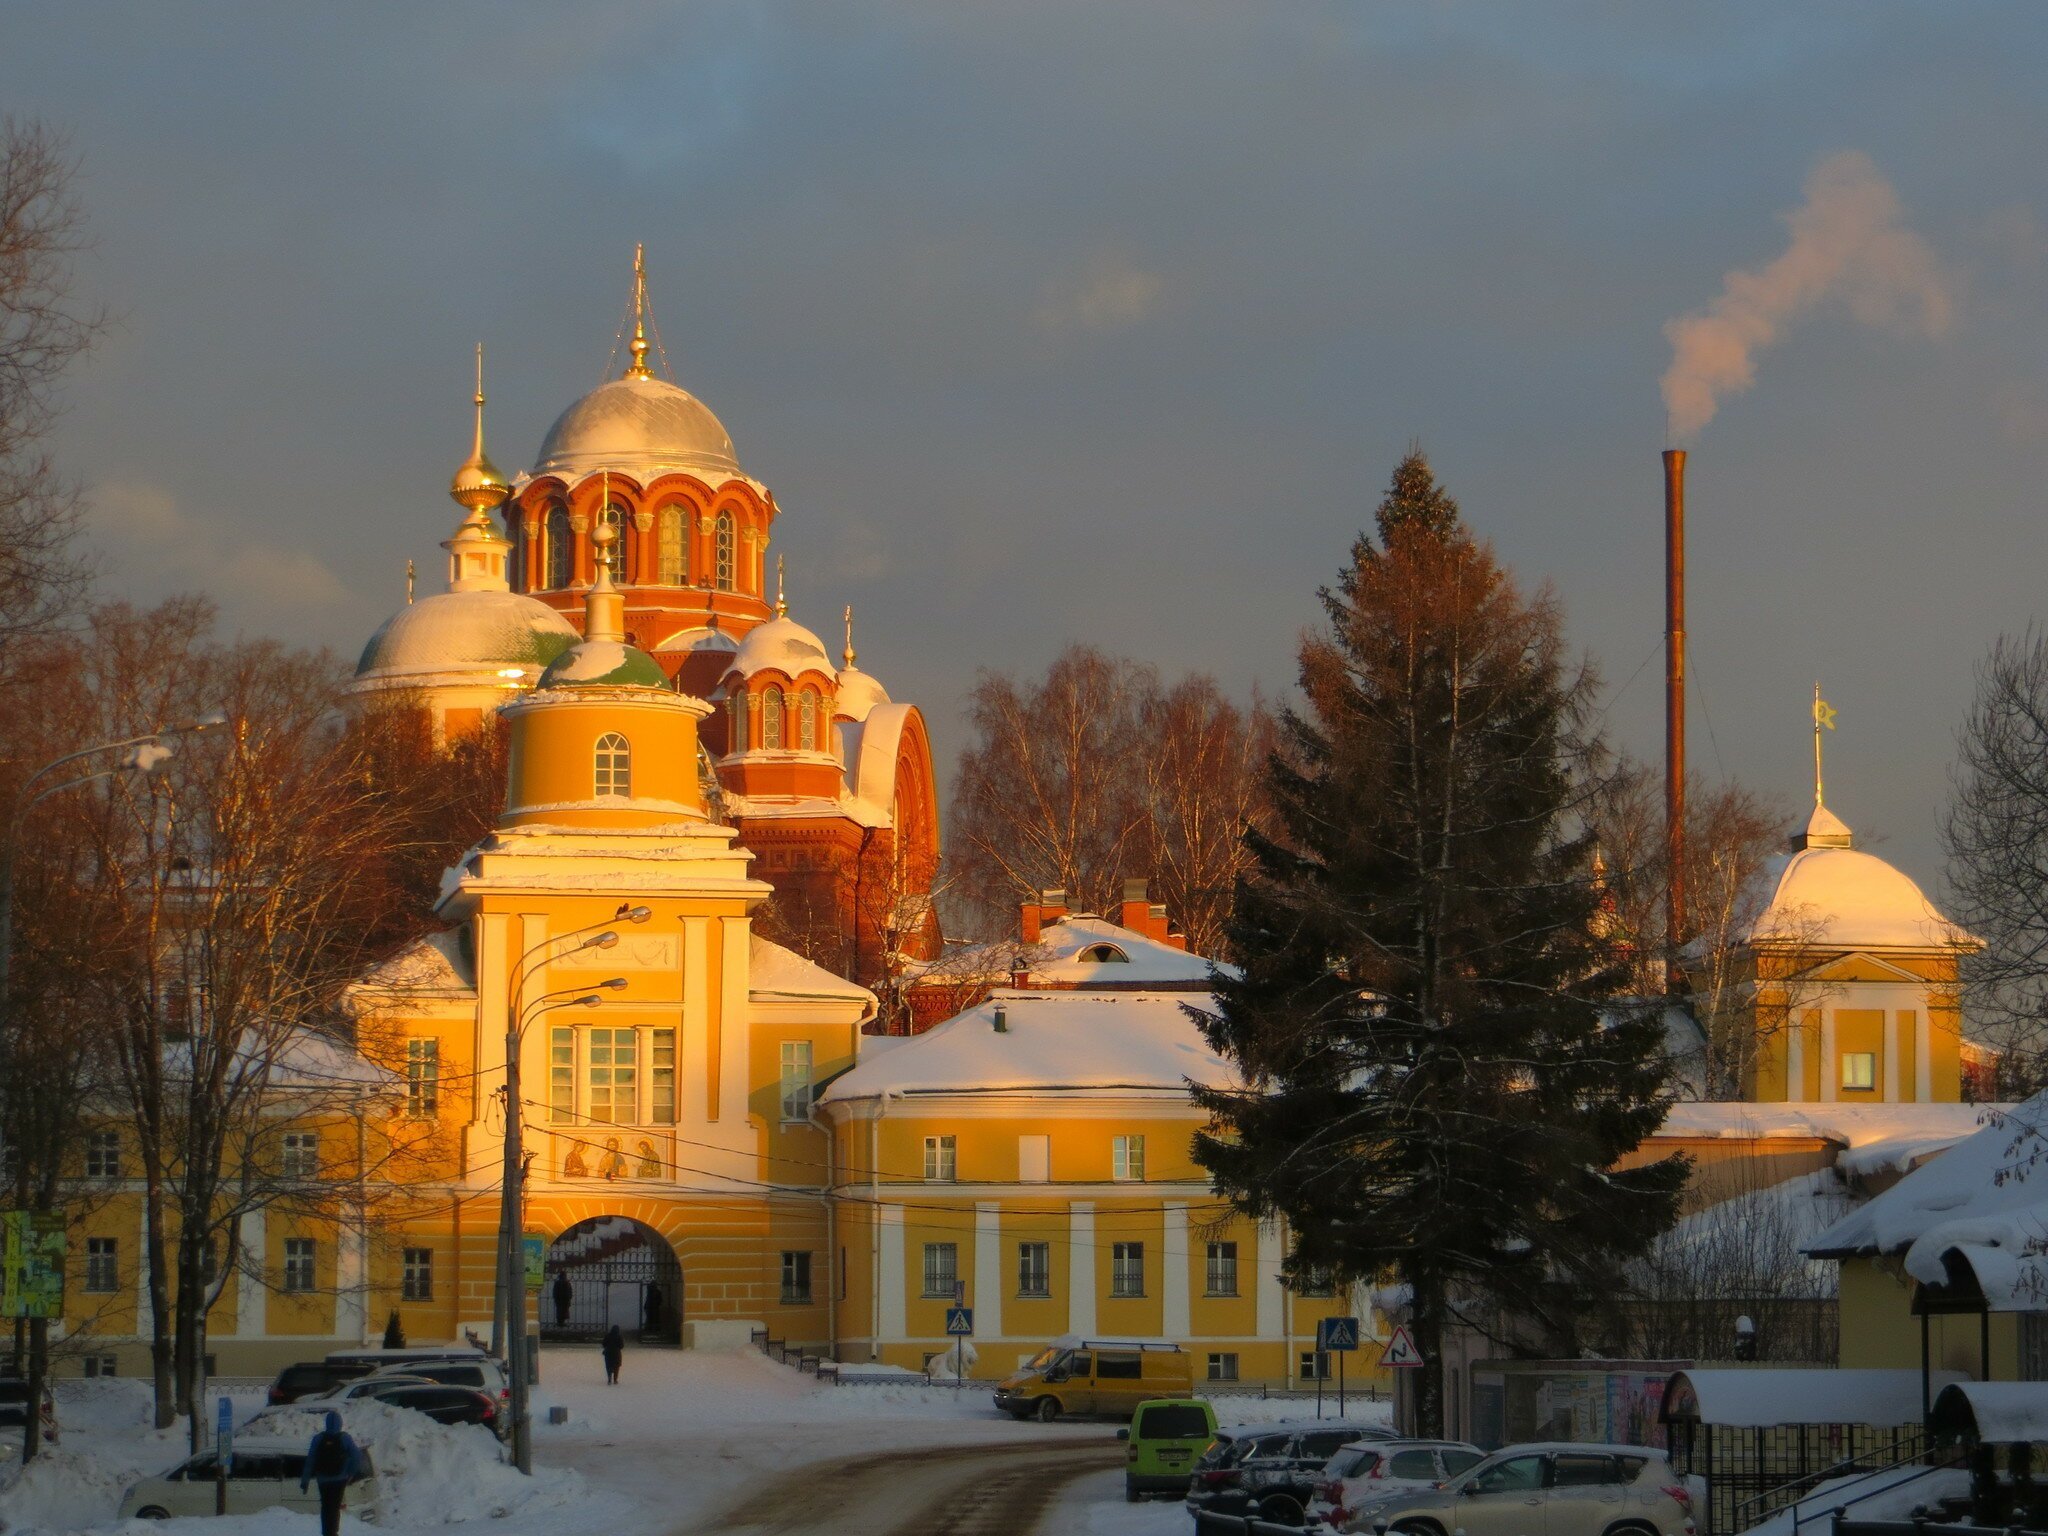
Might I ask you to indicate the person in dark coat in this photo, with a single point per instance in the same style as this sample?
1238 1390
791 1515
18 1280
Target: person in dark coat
333 1460
614 1351
653 1326
564 1294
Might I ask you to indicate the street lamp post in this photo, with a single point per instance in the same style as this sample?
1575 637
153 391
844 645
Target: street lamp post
513 1173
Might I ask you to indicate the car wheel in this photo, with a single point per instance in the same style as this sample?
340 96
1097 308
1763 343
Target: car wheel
1281 1510
1418 1528
1131 1494
153 1512
1048 1409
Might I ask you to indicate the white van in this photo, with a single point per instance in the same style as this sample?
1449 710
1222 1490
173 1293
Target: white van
263 1475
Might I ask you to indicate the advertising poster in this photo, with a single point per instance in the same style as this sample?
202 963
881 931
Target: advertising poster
32 1264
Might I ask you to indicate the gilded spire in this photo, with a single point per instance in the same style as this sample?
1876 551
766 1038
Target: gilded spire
846 656
1823 720
477 485
781 607
604 606
637 369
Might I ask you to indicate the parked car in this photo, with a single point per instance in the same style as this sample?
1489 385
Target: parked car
350 1391
1366 1469
1553 1489
1075 1375
1166 1435
1213 1482
447 1405
14 1407
480 1373
1276 1483
263 1474
312 1378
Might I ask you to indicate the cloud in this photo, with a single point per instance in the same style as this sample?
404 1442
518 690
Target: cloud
1847 242
153 542
1109 293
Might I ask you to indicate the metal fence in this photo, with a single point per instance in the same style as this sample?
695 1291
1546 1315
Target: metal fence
1753 1472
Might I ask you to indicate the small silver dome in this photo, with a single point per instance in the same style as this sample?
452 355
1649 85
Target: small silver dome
640 427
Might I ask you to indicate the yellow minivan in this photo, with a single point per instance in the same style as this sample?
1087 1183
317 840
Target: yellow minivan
1080 1375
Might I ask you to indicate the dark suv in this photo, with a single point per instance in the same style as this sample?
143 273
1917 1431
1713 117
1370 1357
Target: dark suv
14 1407
1276 1483
311 1378
448 1405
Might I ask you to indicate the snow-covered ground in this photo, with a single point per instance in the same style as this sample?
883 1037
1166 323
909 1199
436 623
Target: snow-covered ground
685 1436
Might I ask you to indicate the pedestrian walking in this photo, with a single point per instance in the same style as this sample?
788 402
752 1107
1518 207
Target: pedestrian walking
652 1327
333 1460
614 1352
564 1294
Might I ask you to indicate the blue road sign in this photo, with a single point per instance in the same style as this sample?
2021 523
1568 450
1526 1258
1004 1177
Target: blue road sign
1337 1333
224 1435
959 1321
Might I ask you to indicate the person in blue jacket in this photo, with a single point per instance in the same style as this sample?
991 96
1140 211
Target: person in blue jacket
333 1460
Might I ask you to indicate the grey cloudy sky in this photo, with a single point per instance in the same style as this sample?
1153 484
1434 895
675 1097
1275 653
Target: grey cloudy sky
1052 321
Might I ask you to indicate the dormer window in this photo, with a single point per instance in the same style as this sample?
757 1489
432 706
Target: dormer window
1104 954
613 765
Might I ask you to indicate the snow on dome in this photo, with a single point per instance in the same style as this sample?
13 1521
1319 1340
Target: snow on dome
637 426
604 664
698 637
1839 898
461 631
858 694
781 645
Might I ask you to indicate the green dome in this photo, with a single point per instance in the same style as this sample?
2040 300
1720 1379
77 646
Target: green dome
604 664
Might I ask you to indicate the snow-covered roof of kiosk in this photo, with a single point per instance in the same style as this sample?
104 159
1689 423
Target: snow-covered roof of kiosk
463 631
1766 1399
1050 1042
1983 1203
780 645
1994 1412
641 426
1830 895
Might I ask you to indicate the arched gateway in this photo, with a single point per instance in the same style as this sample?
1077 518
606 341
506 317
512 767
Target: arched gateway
612 1270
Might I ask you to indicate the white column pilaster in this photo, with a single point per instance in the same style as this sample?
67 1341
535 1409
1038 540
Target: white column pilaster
1923 1059
1830 1068
889 1237
252 1296
498 945
735 1016
351 1282
1081 1267
691 1046
988 1270
1266 1279
1795 1058
1891 1057
1174 1320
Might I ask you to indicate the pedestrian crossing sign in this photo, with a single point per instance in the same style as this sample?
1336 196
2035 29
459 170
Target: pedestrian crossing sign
1337 1333
959 1322
1401 1353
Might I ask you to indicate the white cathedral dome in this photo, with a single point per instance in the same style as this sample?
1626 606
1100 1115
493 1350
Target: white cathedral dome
781 645
463 632
639 426
859 694
1830 895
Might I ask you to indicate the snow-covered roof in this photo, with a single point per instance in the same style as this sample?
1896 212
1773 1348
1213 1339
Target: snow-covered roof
698 637
1052 1042
1078 951
781 645
482 631
858 694
1771 1226
435 963
773 971
604 664
1831 896
1876 1138
640 426
1766 1398
1994 1412
1985 1201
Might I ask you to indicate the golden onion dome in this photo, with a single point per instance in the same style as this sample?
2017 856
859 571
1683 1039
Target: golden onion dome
477 485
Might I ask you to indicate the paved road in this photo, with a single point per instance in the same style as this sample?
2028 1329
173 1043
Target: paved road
967 1490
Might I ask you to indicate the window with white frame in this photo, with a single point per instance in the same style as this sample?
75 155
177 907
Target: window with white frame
612 765
103 1155
561 1075
672 553
807 721
418 1278
102 1365
1034 1159
298 1265
1127 1159
941 1269
1034 1269
1223 1367
1220 1274
422 1077
940 1163
661 1076
1127 1269
1859 1070
1315 1365
300 1158
102 1265
796 1080
771 719
796 1278
611 1075
724 551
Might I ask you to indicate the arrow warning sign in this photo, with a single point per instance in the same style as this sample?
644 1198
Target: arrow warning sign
1401 1353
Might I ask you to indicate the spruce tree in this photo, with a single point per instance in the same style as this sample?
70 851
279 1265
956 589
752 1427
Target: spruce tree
1433 1090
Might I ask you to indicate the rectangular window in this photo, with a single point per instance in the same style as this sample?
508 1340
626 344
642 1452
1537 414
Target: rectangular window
1859 1070
1034 1159
796 1277
1127 1161
941 1269
301 1157
661 1080
1127 1269
419 1275
1034 1269
1220 1278
940 1165
298 1264
102 1265
103 1155
1223 1367
422 1077
614 1075
1315 1365
101 1365
796 1080
561 1075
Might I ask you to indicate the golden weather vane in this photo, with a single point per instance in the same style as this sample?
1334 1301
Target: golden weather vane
1823 720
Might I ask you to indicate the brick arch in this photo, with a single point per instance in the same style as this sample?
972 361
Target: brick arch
610 1281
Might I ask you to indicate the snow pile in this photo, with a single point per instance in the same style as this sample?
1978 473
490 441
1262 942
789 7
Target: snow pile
59 1490
1890 1495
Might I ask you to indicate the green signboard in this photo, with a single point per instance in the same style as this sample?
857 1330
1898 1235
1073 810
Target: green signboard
536 1261
32 1264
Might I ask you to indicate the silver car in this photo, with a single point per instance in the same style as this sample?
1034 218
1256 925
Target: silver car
1556 1489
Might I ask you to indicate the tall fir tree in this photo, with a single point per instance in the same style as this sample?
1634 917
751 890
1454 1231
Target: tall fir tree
1433 1090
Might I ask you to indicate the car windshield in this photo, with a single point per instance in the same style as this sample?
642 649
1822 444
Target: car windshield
13 1391
1043 1359
1353 1461
1173 1421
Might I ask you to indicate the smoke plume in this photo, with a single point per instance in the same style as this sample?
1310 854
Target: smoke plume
1847 242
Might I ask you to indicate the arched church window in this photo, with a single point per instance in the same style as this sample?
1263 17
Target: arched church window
613 765
739 722
771 719
621 524
555 552
725 551
672 552
807 722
